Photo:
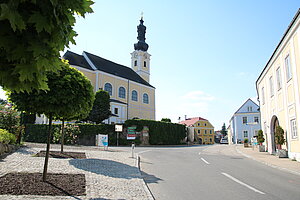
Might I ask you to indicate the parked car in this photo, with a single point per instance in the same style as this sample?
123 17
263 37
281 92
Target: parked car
224 141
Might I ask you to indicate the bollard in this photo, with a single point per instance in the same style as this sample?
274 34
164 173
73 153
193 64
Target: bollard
132 149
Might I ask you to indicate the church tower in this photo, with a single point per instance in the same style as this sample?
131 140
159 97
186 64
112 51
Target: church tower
140 58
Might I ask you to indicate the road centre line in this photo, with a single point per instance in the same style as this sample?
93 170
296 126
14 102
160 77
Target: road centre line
242 183
205 161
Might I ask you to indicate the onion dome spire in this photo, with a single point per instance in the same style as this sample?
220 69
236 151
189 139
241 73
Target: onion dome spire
141 44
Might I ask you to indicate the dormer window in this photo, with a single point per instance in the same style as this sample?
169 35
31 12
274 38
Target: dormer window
145 64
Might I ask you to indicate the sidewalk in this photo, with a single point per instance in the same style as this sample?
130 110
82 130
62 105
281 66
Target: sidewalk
109 174
285 164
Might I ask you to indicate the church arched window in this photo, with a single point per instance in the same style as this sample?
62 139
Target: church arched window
145 98
108 88
135 63
145 64
122 92
134 95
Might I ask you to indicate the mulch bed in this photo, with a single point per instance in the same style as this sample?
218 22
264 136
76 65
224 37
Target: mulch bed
58 154
32 184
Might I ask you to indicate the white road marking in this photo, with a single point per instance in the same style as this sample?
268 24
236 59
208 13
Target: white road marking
242 183
199 153
204 161
143 151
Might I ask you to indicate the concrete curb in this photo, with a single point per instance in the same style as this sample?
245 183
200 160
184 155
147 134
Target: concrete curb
146 188
268 164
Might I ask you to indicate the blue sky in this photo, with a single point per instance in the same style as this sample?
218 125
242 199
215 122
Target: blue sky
206 55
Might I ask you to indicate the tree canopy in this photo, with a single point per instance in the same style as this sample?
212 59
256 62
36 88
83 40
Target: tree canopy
166 120
70 95
101 107
224 131
32 34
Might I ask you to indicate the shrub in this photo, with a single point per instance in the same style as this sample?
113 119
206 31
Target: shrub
246 140
279 136
160 132
260 137
71 133
7 137
9 119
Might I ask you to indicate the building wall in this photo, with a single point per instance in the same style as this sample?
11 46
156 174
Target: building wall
285 103
137 109
205 131
250 127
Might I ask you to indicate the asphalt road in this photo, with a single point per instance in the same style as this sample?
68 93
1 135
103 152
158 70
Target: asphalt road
213 172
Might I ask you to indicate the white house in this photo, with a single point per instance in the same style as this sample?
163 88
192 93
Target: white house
278 89
245 122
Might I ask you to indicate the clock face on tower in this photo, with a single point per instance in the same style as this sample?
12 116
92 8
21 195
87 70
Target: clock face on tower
145 56
135 55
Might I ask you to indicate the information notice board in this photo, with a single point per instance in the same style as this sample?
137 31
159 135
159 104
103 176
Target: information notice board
131 133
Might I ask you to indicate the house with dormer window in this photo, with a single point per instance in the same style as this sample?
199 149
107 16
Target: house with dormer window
244 123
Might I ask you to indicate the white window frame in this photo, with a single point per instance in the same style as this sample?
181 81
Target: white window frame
244 134
145 98
278 77
294 129
120 94
111 87
246 120
137 96
271 86
263 95
287 62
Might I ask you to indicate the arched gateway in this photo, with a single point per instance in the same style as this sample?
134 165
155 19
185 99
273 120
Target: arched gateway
274 125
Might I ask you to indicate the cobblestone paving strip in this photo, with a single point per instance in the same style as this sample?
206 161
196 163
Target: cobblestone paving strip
109 174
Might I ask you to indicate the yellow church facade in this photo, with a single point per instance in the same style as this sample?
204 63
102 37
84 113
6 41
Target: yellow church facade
131 94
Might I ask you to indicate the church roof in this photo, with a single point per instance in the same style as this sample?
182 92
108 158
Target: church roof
104 65
78 60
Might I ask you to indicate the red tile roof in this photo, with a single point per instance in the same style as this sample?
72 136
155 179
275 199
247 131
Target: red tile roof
191 121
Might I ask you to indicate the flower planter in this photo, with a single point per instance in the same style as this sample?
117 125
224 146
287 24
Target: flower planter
261 148
282 153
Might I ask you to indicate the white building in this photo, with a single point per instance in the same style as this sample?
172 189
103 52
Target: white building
278 88
244 123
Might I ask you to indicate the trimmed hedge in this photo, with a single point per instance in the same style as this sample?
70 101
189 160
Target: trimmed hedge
38 132
85 136
160 133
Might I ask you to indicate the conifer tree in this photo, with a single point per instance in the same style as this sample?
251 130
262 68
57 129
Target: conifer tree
101 107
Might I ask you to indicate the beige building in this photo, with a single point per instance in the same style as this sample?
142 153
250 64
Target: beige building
132 95
203 129
278 88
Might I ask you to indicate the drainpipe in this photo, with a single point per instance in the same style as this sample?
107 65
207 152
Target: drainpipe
127 99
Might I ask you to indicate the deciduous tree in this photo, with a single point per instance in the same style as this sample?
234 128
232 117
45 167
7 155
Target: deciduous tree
70 94
32 33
